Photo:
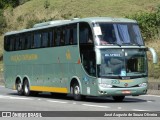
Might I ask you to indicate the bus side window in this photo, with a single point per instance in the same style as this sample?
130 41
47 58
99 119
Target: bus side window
55 37
71 37
30 41
85 34
45 39
62 36
37 40
51 39
20 43
17 43
12 43
25 42
58 37
75 35
22 40
6 43
66 36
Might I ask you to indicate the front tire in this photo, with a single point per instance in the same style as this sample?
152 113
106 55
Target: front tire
77 92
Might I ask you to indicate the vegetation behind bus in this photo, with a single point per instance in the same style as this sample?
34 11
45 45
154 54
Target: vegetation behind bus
20 17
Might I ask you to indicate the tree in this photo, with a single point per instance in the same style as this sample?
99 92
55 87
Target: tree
6 3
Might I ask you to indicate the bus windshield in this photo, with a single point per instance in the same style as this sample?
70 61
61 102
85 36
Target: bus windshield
118 34
123 63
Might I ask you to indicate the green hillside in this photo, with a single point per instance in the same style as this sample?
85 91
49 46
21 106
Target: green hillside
19 17
25 15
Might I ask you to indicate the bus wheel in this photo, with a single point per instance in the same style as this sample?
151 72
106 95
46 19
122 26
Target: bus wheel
26 88
19 88
76 92
118 98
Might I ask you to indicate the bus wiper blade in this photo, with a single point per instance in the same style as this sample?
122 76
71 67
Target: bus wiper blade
117 44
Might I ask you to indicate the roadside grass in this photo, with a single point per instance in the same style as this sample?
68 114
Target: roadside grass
65 9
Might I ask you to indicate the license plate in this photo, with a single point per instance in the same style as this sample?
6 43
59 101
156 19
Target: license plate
126 92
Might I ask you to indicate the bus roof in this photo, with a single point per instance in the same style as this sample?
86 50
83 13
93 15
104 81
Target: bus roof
50 24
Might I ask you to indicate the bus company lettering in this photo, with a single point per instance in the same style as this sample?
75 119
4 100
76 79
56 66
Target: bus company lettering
113 55
25 57
68 55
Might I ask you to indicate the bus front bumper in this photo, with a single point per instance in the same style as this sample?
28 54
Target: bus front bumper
122 91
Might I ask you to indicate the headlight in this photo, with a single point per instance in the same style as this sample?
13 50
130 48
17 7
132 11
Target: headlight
143 85
105 85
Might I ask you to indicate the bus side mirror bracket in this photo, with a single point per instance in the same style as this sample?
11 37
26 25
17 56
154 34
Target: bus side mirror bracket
154 55
98 56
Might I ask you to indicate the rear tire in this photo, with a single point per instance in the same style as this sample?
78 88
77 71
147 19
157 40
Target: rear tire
19 88
26 88
118 98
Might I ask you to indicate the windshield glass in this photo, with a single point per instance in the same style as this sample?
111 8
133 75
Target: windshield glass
123 62
118 34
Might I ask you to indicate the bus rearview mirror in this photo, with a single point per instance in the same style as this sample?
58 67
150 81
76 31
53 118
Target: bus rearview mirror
154 55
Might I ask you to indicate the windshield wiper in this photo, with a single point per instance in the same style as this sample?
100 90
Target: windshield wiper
117 44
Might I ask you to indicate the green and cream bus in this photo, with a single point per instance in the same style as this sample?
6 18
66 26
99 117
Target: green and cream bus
98 56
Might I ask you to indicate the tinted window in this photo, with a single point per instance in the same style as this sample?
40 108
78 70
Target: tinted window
57 36
85 34
45 39
72 34
51 38
18 44
62 37
12 43
6 43
37 40
67 34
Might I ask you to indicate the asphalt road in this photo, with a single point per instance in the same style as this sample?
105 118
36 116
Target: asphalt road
10 101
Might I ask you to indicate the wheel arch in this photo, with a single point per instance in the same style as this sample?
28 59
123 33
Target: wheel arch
18 78
75 79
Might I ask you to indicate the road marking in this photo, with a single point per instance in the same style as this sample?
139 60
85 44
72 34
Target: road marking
149 101
151 95
139 110
74 103
20 98
57 101
119 108
95 106
16 98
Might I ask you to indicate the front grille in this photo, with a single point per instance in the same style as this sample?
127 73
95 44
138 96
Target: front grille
124 86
